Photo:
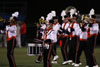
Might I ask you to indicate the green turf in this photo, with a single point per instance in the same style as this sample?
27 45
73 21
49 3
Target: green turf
23 60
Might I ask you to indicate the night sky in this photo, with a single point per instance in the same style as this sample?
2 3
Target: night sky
38 8
34 9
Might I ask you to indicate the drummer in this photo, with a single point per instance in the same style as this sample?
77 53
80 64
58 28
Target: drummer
49 39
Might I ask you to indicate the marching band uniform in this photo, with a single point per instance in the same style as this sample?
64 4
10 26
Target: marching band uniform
83 45
49 39
41 27
65 39
41 31
93 29
56 27
11 43
87 40
74 40
78 37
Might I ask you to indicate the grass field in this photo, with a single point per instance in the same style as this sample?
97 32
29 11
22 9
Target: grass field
23 60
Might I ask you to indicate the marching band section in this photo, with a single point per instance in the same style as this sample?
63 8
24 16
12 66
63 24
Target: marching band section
76 33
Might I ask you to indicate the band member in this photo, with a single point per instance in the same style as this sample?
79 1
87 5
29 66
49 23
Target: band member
47 53
11 40
50 37
41 28
56 27
83 45
93 29
64 38
74 39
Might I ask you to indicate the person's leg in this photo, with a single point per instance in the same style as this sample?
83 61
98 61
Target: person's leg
76 48
74 44
39 59
45 54
10 52
64 48
70 53
93 48
87 54
91 51
54 47
49 56
53 50
79 52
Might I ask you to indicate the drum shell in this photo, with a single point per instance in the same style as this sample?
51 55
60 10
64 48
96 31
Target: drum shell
34 49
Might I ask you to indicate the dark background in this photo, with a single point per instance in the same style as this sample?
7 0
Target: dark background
32 10
42 7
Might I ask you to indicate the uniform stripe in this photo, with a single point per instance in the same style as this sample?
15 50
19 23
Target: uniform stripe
49 56
93 51
64 25
54 52
95 41
71 35
65 49
77 47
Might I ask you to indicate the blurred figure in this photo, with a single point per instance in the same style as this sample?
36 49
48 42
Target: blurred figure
1 35
93 29
11 30
3 40
41 28
49 39
23 33
18 37
56 27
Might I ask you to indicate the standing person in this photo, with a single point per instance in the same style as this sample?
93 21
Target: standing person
23 33
65 38
83 45
74 39
11 41
1 32
93 30
41 28
49 39
56 27
18 38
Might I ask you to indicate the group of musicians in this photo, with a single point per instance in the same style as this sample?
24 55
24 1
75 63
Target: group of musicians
75 35
72 35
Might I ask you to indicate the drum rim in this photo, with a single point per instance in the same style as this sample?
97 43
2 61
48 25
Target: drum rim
31 44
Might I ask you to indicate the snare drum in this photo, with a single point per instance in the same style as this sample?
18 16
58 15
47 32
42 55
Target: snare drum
34 49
